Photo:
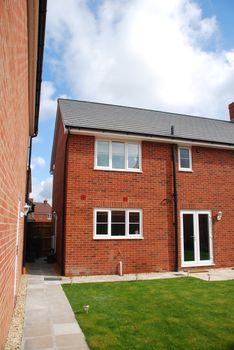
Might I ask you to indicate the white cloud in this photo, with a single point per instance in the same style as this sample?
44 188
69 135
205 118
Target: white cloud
37 140
148 53
42 189
48 103
38 162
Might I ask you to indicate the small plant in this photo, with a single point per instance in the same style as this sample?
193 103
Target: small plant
86 308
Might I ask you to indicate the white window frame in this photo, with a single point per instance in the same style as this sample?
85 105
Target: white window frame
190 169
126 168
197 261
127 235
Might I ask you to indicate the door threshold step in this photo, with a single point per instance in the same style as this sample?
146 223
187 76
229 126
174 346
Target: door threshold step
52 278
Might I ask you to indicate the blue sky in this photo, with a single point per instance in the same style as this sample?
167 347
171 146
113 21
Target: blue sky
174 56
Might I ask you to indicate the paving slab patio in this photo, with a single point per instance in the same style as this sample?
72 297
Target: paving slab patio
221 274
49 320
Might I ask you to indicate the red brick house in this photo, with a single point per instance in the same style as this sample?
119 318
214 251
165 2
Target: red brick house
42 212
22 29
141 189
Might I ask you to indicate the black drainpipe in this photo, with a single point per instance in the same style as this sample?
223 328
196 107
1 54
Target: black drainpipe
64 203
26 199
175 198
29 169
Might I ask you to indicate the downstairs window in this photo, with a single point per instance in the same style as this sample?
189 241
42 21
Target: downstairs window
118 224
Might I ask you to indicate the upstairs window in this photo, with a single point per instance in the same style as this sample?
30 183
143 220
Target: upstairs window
117 155
117 223
185 159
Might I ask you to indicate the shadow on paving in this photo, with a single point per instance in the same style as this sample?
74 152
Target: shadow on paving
42 267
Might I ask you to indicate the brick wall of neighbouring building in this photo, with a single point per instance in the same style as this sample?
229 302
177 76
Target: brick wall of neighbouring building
14 131
58 189
206 187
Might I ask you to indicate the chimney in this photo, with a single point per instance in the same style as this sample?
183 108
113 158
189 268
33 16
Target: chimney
231 111
45 201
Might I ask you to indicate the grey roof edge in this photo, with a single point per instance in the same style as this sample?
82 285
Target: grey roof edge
142 109
170 137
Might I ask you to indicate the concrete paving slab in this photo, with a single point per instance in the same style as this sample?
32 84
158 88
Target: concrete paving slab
37 330
34 282
70 339
223 274
35 316
62 319
38 343
60 313
66 328
35 286
40 322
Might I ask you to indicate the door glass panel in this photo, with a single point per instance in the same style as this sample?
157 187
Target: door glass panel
204 236
188 228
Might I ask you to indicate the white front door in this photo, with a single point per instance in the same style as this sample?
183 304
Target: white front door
196 238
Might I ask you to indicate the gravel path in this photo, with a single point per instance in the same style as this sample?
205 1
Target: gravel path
16 328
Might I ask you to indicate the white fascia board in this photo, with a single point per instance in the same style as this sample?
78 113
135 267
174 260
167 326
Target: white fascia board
119 136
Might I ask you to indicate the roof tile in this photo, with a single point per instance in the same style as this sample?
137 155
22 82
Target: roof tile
99 116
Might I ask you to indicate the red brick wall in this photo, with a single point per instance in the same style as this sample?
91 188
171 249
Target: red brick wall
41 218
58 179
149 191
13 146
207 187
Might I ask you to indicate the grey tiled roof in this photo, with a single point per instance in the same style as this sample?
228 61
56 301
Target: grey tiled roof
99 116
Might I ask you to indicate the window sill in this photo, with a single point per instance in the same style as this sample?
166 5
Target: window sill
198 265
116 238
186 170
119 170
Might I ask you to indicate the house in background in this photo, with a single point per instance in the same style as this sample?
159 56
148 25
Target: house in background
42 212
141 190
22 30
40 232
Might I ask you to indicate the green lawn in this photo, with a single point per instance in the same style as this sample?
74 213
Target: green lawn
182 313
